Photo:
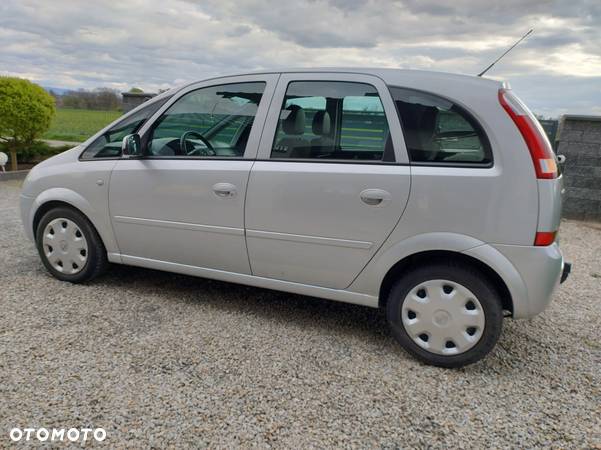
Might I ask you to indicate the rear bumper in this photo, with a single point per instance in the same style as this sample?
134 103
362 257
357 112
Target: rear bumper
531 273
565 273
540 268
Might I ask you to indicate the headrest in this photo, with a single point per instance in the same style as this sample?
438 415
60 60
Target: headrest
321 123
427 125
428 119
295 122
417 117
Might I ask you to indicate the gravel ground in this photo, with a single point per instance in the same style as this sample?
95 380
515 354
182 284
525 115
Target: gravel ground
166 360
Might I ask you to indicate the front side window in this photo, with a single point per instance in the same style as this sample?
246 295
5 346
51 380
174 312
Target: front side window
109 144
437 130
331 120
209 122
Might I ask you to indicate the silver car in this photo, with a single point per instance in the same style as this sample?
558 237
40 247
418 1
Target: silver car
435 197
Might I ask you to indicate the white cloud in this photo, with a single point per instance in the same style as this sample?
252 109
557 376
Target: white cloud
157 43
572 60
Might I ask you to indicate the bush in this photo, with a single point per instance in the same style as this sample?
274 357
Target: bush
37 151
25 114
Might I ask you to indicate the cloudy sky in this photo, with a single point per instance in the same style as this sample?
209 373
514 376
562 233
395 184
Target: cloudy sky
159 43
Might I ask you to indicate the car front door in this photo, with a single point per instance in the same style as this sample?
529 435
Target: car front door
331 180
182 203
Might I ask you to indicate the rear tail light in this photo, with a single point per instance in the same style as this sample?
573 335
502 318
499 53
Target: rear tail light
543 158
544 238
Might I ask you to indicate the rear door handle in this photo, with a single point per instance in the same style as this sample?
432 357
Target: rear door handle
224 190
375 197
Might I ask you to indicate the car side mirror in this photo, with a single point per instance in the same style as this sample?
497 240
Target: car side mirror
131 146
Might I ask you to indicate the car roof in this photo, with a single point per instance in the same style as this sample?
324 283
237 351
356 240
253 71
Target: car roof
419 79
381 72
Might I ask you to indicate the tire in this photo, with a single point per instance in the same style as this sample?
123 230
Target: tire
441 294
74 253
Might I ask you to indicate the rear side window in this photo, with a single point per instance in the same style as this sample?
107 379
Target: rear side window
439 131
363 124
332 120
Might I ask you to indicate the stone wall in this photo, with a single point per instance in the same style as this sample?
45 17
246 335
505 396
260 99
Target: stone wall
579 139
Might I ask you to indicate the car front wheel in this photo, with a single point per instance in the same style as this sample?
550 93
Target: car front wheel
446 314
69 246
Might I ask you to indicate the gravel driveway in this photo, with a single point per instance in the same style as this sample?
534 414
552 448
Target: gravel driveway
167 360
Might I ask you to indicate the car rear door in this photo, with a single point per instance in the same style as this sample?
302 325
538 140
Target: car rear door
331 179
182 203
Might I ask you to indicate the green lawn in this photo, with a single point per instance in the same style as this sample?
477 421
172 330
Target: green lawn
78 124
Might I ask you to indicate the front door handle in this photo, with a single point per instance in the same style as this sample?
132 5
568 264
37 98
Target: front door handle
375 197
224 190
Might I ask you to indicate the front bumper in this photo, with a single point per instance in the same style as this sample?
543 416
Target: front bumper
26 203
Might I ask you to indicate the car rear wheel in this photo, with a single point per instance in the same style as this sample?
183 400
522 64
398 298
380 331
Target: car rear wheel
69 246
445 314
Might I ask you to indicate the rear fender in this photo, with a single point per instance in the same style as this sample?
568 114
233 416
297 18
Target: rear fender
371 278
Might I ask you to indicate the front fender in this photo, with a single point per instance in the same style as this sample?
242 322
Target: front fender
100 219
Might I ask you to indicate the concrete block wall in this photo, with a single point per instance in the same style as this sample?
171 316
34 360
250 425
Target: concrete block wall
579 139
133 99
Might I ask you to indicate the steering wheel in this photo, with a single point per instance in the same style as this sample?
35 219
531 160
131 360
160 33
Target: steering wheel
209 151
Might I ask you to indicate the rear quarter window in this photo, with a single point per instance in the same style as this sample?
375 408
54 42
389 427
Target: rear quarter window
438 131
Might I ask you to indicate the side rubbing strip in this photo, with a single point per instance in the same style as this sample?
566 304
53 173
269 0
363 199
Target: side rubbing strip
180 225
309 239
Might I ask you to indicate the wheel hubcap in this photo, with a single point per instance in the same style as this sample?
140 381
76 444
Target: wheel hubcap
65 246
443 317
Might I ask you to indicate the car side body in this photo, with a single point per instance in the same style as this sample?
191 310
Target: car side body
338 229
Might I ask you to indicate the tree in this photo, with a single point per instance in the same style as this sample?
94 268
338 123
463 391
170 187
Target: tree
26 110
107 99
101 98
136 90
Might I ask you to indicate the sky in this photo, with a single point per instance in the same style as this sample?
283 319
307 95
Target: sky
157 44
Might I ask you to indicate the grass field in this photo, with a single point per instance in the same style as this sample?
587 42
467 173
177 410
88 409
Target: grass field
77 125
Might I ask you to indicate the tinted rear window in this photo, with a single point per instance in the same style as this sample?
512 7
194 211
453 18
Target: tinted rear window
439 131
